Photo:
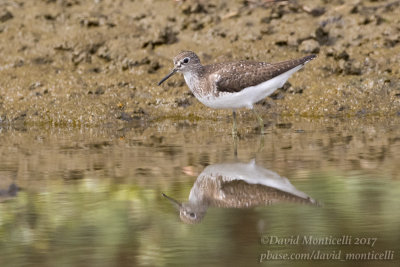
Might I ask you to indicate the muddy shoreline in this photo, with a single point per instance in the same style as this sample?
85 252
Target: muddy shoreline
86 63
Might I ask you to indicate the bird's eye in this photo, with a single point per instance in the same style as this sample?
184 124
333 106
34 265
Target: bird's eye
186 60
192 215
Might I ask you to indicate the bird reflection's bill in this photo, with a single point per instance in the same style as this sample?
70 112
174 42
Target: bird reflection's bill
175 203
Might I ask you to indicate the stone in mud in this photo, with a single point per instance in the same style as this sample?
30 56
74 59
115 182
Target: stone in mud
85 54
100 90
3 119
193 8
322 35
18 63
267 30
295 90
35 85
392 40
125 117
337 53
20 117
196 25
292 40
42 60
309 46
281 41
5 15
79 57
164 36
154 66
277 12
176 83
139 111
127 64
90 22
266 20
104 53
183 102
350 67
50 17
317 11
64 46
252 36
280 93
297 37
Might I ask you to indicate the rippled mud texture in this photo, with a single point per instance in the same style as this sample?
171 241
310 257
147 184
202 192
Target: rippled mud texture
68 62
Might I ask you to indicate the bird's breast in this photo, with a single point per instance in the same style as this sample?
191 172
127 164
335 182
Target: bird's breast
198 86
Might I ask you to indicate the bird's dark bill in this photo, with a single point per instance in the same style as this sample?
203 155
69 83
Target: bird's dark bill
166 77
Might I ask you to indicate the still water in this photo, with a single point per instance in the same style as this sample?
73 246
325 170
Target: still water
182 194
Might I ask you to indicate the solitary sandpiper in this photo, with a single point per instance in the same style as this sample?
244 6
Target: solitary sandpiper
233 85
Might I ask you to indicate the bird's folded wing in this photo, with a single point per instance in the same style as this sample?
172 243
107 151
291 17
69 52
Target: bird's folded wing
236 76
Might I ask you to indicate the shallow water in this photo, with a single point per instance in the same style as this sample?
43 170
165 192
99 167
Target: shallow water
93 197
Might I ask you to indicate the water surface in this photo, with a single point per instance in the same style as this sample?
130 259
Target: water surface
93 197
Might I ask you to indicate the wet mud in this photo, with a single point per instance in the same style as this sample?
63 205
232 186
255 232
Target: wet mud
86 63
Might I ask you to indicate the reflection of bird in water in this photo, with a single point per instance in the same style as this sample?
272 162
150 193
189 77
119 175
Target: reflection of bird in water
11 192
237 185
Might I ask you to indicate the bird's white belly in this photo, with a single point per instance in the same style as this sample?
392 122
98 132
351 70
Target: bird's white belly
249 95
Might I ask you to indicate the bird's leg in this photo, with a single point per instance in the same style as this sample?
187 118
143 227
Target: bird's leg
234 134
261 146
234 129
235 141
260 120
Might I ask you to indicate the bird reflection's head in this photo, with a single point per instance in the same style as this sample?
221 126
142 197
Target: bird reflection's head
189 213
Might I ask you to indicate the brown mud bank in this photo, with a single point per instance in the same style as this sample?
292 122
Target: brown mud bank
70 62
